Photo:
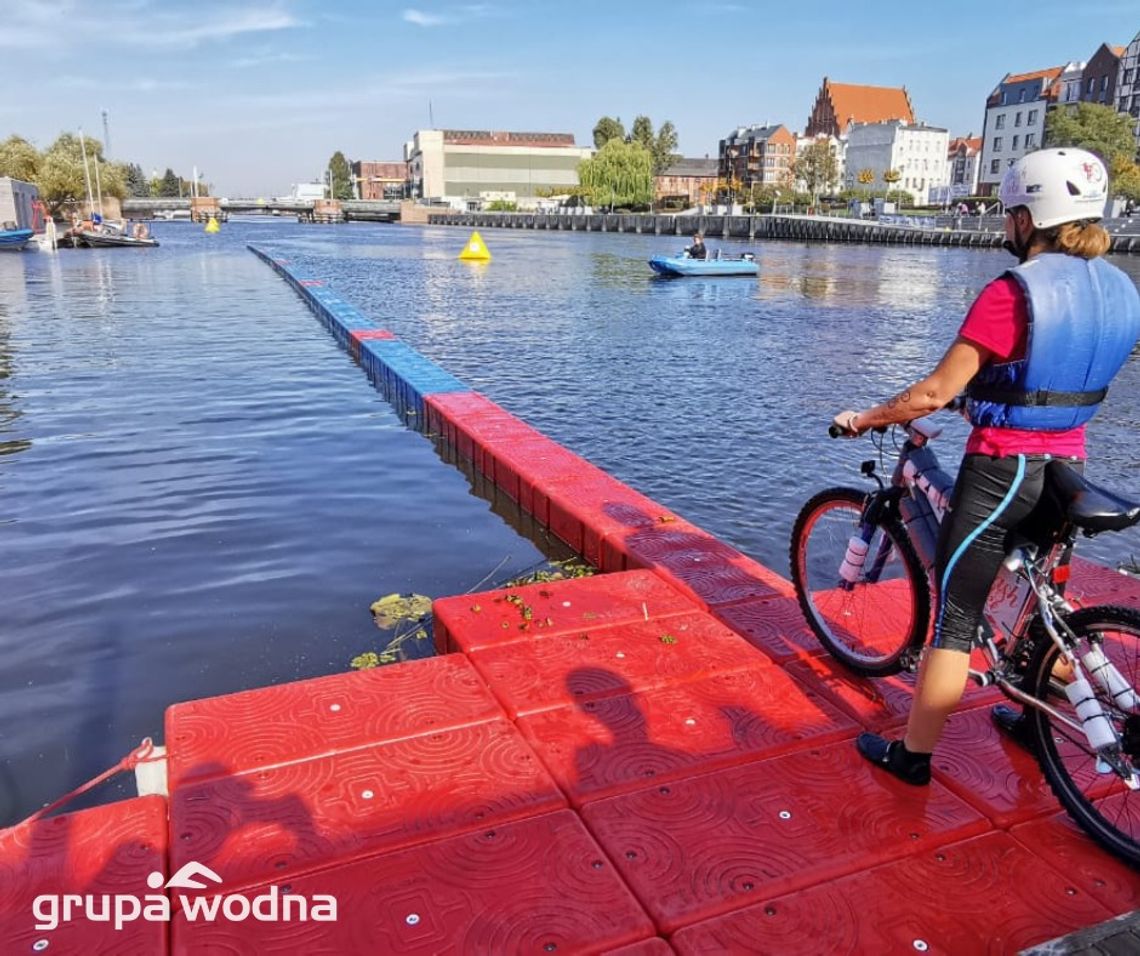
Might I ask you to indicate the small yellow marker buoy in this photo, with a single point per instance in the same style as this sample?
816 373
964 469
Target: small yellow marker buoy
212 226
475 250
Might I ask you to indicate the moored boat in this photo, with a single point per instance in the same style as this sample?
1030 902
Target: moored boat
14 239
744 265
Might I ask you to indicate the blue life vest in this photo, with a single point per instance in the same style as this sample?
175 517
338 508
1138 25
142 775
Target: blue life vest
1084 321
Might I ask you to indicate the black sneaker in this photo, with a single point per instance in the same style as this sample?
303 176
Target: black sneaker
1014 724
893 757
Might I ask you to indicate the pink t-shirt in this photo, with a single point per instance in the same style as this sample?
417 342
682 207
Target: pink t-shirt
999 322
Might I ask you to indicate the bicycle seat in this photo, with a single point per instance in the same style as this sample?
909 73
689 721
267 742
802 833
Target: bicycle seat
1089 507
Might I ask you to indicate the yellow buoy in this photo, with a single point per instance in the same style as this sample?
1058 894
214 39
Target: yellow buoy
476 249
212 225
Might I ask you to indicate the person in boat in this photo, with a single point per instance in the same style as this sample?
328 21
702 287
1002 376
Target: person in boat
1030 396
140 231
698 250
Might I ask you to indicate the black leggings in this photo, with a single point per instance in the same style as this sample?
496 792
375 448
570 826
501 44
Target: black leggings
992 497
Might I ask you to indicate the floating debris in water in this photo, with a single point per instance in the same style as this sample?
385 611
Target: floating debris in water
394 609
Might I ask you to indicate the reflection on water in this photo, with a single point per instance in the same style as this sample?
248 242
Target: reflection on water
208 495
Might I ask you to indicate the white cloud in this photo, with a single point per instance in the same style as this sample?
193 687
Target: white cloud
263 58
450 15
56 25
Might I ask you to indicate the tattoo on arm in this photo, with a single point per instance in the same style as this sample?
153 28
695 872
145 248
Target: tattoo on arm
903 396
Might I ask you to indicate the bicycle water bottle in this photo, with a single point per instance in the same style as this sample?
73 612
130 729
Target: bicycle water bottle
1110 679
1093 720
852 565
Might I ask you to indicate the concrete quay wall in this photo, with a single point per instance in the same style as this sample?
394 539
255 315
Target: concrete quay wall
797 228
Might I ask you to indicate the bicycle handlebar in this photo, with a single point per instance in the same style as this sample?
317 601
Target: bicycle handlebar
956 404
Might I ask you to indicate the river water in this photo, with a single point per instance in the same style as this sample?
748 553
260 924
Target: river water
200 492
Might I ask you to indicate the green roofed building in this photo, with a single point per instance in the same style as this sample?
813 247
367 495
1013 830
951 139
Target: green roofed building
468 168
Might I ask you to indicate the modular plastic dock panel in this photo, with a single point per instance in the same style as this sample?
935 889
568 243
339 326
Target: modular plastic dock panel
697 563
289 722
773 624
655 946
988 895
994 774
604 747
881 704
104 851
1095 584
539 886
1059 841
272 823
471 622
698 847
533 676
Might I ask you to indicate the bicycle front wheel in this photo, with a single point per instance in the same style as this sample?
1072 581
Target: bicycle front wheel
1095 795
870 623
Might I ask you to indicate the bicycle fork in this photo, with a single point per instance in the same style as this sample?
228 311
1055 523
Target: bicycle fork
1094 724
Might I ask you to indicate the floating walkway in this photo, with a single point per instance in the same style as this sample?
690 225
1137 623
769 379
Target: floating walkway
653 760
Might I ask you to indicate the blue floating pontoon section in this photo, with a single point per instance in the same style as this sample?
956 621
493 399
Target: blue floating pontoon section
403 375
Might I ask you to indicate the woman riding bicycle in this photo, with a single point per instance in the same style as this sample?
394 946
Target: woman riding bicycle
1035 354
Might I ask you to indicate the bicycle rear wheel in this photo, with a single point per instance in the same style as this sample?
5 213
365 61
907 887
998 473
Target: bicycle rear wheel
868 624
1095 796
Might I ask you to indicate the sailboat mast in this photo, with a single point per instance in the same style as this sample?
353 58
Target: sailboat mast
98 187
86 172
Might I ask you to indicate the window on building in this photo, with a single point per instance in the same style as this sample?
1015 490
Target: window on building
1030 140
1031 119
995 166
1015 144
1092 84
997 144
1017 118
1021 95
1127 76
999 122
1003 97
1104 82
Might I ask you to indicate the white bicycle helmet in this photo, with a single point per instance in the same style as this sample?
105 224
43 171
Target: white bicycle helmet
1057 186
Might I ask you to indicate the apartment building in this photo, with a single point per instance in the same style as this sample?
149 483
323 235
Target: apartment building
1015 121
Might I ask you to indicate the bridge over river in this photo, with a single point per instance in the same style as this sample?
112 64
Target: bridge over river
354 209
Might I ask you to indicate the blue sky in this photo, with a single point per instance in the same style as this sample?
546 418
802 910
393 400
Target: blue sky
259 93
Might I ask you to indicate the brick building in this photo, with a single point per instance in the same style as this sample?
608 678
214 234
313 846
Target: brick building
758 155
378 181
1098 78
837 105
690 179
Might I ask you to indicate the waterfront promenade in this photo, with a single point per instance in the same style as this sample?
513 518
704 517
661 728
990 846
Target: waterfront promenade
597 764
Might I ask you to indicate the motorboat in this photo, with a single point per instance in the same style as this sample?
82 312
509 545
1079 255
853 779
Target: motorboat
14 239
718 265
110 235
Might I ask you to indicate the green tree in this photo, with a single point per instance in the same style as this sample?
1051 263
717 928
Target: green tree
170 186
665 148
1099 129
817 168
620 174
61 177
606 129
642 132
138 187
341 176
19 159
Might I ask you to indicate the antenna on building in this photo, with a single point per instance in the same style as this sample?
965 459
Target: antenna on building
106 135
431 118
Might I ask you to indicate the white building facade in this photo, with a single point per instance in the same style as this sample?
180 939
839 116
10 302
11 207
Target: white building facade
466 168
1015 122
917 152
